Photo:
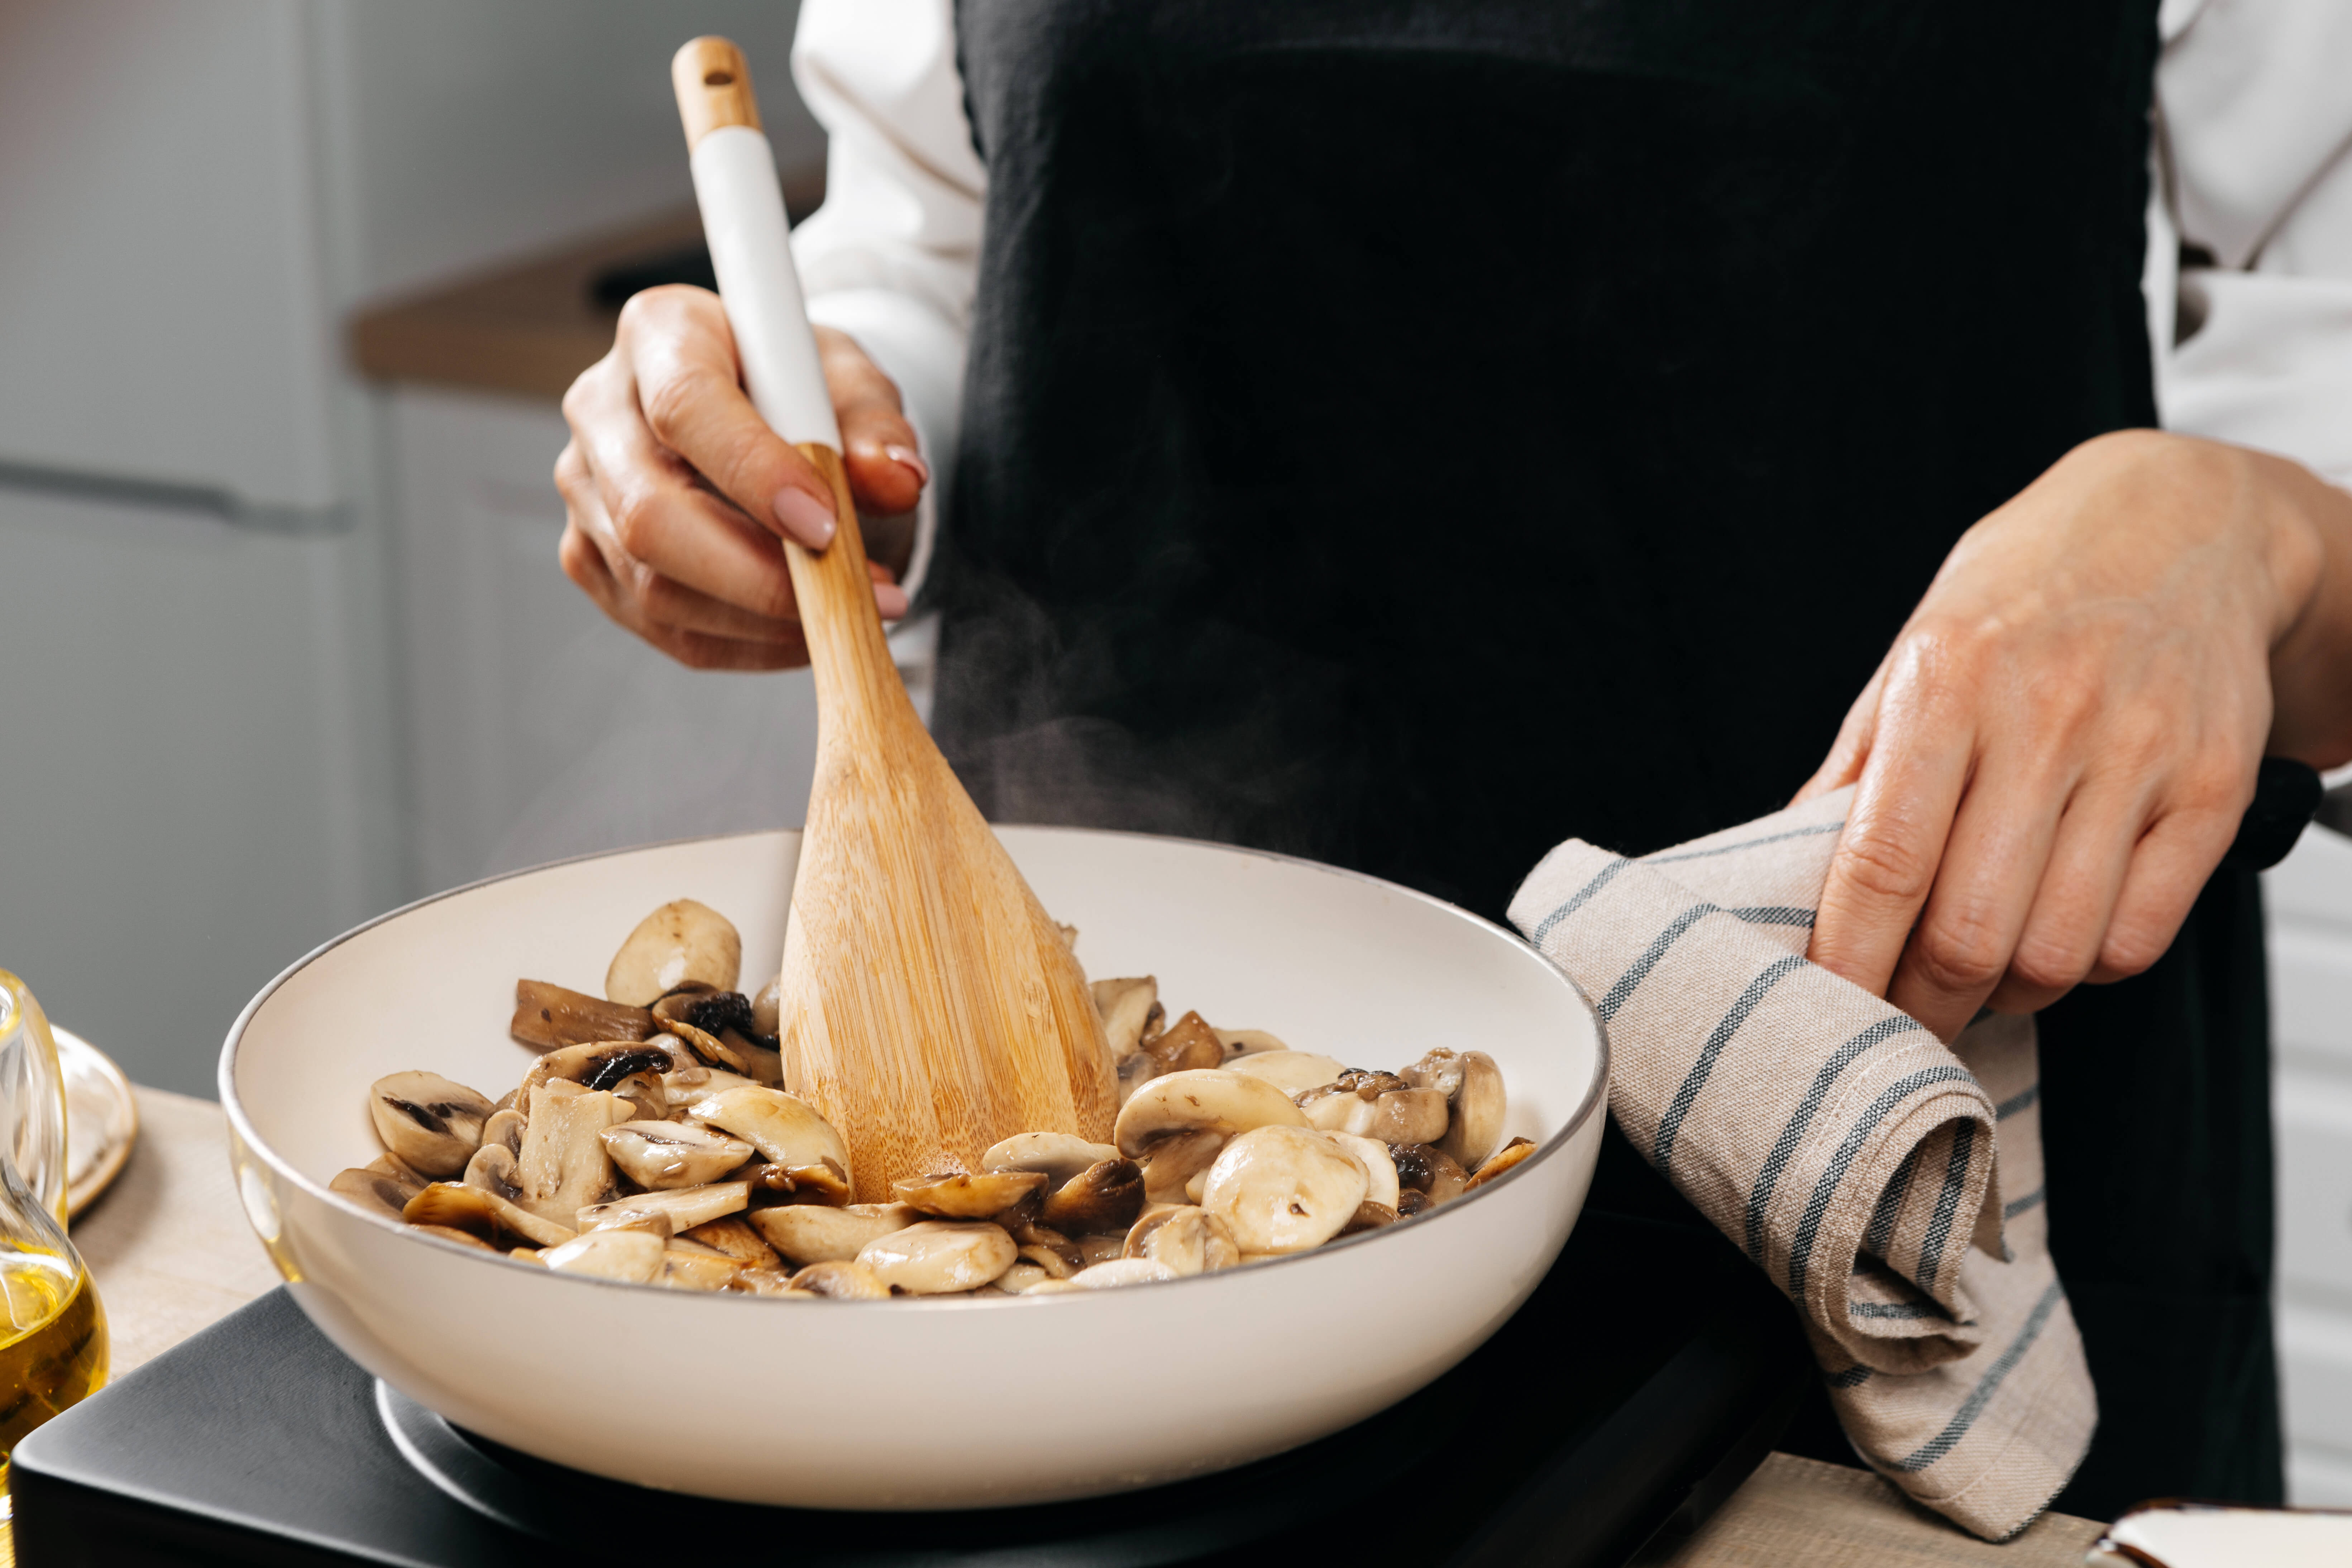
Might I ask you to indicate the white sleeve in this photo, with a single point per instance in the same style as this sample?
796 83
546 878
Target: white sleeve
2254 99
893 256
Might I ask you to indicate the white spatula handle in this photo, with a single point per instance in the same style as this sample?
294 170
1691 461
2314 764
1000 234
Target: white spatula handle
743 220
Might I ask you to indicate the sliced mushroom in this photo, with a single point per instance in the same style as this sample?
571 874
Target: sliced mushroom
601 1065
1209 1100
1377 1105
1411 1202
952 1194
1501 1160
1186 1044
1369 1215
1420 1167
634 1255
485 1214
1170 1165
1187 1239
377 1192
1113 1272
505 1127
463 1237
842 1280
1250 1042
783 1128
704 1047
732 1238
1094 1249
684 1270
1284 1189
494 1169
1379 1167
667 1155
823 1182
938 1256
1105 1196
1021 1277
805 1233
684 1208
1054 1262
1130 1010
562 1167
1293 1072
681 943
1060 1155
1477 1123
767 1008
428 1121
546 1016
765 1282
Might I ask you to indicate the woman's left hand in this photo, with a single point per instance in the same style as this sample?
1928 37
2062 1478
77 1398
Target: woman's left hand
2055 753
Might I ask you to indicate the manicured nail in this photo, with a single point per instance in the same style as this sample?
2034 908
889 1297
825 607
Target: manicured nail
807 518
907 457
891 600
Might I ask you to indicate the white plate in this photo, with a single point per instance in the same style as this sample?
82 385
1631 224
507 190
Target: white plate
918 1402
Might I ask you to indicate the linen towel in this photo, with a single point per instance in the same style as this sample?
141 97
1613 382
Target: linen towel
1890 1185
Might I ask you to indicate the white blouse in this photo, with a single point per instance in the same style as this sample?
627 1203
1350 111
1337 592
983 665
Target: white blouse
2250 255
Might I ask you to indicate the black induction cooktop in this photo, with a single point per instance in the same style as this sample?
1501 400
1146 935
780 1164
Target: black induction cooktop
1644 1381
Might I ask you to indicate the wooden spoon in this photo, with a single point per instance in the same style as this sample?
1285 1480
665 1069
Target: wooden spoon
929 1006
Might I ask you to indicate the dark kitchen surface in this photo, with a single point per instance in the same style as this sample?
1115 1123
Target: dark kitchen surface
1638 1388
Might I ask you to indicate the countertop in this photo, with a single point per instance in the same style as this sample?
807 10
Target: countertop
171 1251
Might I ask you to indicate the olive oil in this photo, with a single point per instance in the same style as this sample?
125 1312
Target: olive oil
53 1342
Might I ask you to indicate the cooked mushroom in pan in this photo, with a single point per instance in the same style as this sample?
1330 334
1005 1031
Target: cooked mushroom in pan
652 1141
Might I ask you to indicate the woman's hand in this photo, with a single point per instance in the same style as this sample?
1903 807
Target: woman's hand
2055 753
677 495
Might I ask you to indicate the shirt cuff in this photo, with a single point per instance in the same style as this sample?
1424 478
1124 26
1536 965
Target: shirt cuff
2270 366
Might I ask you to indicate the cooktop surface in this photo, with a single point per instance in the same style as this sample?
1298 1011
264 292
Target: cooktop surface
1641 1384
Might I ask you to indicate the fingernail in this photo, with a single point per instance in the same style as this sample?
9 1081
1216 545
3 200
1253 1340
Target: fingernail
891 600
907 457
804 517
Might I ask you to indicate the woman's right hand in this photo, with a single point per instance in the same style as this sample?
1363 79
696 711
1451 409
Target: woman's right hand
678 494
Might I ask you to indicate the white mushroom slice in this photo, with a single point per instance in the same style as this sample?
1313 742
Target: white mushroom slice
784 1129
680 943
634 1255
1187 1239
1055 1264
1129 1009
1117 1271
1284 1189
952 1194
684 1208
843 1280
1293 1072
667 1154
505 1127
485 1214
938 1256
731 1237
684 1270
1476 1123
602 1064
809 1233
562 1167
1400 1115
494 1169
430 1121
1379 1164
1169 1166
1204 1100
689 1084
1252 1042
1060 1155
378 1192
1101 1198
1021 1277
767 1007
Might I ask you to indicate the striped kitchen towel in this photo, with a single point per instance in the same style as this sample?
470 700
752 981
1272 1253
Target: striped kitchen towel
1890 1185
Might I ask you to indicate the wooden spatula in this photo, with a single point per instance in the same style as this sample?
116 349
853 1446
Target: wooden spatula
929 1006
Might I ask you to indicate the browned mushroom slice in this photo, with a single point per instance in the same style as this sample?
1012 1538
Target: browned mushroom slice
665 1154
735 1239
684 1208
1171 1164
431 1122
844 1281
823 1182
485 1214
1502 1160
1411 1202
710 1048
1051 1263
634 1255
939 1256
1186 1044
1105 1196
1094 1249
375 1191
546 1016
601 1065
1429 1171
1369 1215
562 1167
805 1233
952 1194
681 943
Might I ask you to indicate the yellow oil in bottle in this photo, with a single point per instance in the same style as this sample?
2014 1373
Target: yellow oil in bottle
52 1347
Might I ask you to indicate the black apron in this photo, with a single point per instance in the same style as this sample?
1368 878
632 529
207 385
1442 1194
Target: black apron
1408 435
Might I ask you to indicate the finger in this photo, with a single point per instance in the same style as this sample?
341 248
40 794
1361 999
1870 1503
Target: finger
1994 862
886 471
688 383
2169 867
2060 943
1852 748
1903 804
583 562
